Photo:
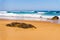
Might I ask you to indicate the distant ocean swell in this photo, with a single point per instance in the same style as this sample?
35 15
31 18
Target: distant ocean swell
48 13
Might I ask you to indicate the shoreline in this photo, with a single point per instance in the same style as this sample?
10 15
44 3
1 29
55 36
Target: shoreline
27 21
30 17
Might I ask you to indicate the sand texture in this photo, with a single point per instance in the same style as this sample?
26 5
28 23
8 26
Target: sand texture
44 31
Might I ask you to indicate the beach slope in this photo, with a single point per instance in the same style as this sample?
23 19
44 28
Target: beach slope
44 31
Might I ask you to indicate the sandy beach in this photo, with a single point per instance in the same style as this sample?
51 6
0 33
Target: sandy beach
44 31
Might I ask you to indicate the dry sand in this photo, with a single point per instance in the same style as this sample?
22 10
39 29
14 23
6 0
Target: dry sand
44 31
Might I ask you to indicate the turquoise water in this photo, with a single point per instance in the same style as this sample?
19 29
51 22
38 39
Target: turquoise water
52 14
47 13
22 12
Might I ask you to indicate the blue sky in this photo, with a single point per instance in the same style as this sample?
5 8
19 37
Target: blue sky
29 4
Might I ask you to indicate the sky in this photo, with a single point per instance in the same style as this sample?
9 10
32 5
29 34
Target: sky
29 4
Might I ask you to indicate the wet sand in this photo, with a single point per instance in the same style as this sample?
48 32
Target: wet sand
44 31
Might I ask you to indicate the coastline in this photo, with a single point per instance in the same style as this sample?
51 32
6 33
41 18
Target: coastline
46 30
30 17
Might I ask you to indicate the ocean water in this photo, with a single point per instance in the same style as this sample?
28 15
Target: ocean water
44 13
29 15
52 13
22 12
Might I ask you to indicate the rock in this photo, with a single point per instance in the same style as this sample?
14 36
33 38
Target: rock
20 25
31 26
9 25
23 25
55 18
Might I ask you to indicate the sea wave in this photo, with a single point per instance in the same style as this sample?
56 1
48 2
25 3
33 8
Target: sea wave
38 14
20 11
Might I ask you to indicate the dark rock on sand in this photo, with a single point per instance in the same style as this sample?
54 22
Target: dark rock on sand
9 25
55 18
15 24
24 25
31 26
20 25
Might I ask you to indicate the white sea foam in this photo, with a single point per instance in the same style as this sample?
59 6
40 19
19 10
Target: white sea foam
28 15
36 17
40 13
